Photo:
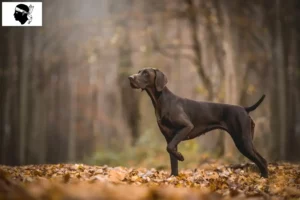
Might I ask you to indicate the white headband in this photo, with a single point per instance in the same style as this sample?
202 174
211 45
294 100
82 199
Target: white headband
20 10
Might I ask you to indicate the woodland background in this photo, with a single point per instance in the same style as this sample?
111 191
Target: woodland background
65 96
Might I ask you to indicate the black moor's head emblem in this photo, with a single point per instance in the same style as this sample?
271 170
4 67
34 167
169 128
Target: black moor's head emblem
23 13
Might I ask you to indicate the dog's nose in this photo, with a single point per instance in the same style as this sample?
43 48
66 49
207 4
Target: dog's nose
131 77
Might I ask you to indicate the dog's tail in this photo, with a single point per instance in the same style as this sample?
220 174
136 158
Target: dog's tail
251 108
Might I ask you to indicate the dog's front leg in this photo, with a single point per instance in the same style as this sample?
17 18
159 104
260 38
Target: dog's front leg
180 135
168 134
174 164
173 161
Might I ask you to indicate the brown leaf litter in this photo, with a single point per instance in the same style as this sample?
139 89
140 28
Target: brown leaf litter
78 181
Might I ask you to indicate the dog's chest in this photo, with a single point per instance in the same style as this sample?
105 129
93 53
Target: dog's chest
166 127
167 123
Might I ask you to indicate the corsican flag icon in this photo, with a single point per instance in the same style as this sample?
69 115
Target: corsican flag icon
22 14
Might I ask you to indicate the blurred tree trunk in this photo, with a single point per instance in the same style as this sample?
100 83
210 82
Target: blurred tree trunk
41 128
37 130
177 54
42 105
129 97
230 43
5 98
292 63
22 94
51 136
13 120
281 79
278 93
291 41
93 74
31 61
37 140
192 15
73 116
285 93
2 87
24 90
214 55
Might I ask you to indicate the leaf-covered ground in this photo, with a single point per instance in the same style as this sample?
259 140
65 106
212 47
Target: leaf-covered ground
78 181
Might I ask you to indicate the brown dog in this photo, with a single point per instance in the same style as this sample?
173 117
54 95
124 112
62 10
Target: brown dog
182 119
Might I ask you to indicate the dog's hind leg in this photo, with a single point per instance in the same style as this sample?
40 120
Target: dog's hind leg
261 158
248 151
252 127
252 135
244 144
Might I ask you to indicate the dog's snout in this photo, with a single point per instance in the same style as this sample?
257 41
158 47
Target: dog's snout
131 77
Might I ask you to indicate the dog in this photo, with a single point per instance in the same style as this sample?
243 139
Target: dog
182 119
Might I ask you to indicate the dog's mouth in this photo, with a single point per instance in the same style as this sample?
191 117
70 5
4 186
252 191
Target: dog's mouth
134 85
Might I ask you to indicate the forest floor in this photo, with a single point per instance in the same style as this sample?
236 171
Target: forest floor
213 181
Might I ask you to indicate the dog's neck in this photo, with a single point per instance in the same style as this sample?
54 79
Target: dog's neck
156 98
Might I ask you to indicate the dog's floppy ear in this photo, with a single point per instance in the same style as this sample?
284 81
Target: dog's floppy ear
160 80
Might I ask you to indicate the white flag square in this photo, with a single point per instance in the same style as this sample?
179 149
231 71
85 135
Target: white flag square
22 14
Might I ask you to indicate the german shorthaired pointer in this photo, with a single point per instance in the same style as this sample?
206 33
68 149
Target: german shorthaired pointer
182 119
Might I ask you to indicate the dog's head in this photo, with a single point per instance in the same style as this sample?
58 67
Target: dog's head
148 78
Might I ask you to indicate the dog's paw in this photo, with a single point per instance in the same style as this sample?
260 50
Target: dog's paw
264 174
179 156
173 174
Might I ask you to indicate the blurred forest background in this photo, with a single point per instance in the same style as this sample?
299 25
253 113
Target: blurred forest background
65 96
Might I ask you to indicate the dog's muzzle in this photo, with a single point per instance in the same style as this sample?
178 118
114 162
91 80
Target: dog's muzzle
133 83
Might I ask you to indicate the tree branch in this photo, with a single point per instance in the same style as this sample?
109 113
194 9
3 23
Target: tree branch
250 66
168 54
192 18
